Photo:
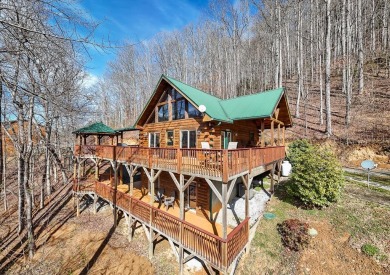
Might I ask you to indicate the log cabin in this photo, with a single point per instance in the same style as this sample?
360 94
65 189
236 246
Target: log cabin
195 153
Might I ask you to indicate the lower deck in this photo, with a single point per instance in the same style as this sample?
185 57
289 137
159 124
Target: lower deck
196 236
141 193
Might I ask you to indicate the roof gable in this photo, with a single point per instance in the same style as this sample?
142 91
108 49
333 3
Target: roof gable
198 97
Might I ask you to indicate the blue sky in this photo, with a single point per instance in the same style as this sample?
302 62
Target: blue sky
136 20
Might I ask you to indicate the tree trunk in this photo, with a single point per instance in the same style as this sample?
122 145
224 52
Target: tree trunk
327 70
360 46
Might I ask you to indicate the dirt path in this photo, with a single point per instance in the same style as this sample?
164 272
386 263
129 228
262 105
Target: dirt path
330 253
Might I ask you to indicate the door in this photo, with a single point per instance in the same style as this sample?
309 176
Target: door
226 138
191 196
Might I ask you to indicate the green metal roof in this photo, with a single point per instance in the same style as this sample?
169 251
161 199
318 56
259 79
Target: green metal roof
258 105
130 128
212 103
95 128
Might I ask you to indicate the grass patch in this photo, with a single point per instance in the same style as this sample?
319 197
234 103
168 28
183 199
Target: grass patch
383 180
370 250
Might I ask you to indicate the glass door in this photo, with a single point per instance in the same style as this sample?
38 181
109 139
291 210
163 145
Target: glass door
226 138
191 195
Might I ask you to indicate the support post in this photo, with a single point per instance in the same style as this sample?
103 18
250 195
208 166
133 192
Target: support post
115 168
131 181
151 242
284 135
181 256
278 134
272 133
97 169
120 167
130 227
225 166
95 199
78 205
262 133
272 189
224 210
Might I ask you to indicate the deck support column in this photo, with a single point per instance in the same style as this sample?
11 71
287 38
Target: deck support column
182 217
97 169
262 133
272 188
130 221
224 210
114 165
120 173
272 133
77 205
247 182
131 187
151 242
84 162
95 199
151 232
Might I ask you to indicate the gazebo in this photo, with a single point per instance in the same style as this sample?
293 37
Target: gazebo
99 130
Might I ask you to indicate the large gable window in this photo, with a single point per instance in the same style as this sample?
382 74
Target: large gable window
178 109
192 111
163 113
173 106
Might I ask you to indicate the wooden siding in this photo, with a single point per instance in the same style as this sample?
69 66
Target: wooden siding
209 132
203 198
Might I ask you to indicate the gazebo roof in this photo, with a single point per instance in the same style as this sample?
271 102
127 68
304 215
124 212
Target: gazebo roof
96 128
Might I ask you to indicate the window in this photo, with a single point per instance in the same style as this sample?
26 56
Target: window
188 139
154 139
178 111
170 138
192 111
251 137
163 113
175 94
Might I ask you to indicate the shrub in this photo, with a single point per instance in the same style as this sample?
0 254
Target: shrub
317 176
294 234
370 250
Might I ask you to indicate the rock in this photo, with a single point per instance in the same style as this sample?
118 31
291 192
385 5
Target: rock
312 232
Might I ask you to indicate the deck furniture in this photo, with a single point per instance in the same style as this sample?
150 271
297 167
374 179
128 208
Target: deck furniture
205 145
159 195
170 201
232 145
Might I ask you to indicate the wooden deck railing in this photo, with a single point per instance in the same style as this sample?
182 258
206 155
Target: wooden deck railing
216 164
220 252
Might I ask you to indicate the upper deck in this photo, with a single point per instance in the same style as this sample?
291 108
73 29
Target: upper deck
222 165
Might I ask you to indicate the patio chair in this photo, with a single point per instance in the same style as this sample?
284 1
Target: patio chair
205 145
159 195
232 145
170 201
